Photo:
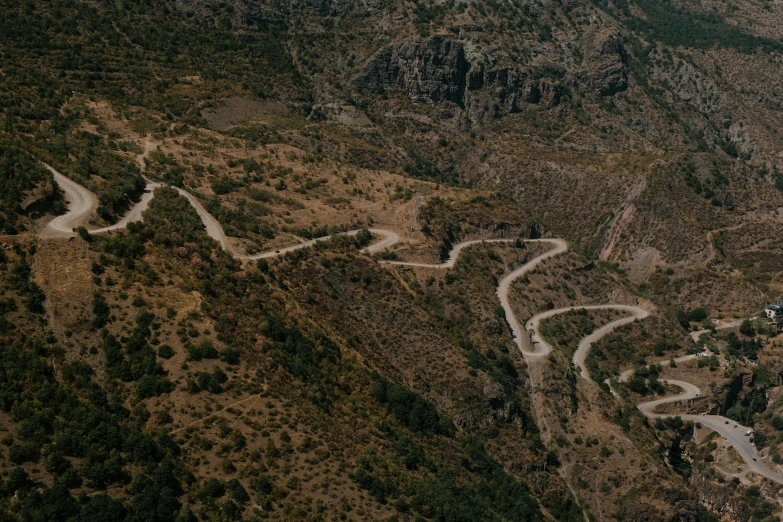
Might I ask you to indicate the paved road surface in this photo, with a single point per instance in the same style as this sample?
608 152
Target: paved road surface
722 425
82 202
520 338
213 228
388 238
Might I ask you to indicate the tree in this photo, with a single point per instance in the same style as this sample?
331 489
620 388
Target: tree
683 319
101 508
746 328
84 233
637 384
238 492
263 265
100 312
231 511
212 488
697 315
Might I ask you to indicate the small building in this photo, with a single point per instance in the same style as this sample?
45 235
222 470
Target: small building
774 310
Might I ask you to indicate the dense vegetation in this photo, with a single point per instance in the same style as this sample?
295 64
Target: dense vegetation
71 47
410 408
19 174
678 26
476 488
96 49
75 430
324 334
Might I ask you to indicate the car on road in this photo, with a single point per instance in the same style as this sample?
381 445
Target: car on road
727 422
735 425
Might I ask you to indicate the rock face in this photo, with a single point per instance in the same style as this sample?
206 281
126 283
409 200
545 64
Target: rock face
607 67
721 499
276 11
437 70
509 89
434 70
329 7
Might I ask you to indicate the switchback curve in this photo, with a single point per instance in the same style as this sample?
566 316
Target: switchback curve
82 202
736 434
584 345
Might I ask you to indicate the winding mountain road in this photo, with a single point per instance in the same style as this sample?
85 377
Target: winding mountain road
82 202
733 432
584 345
453 255
533 347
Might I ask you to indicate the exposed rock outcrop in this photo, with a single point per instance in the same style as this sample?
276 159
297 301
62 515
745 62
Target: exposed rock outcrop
329 7
248 14
437 70
720 499
734 391
509 89
434 70
607 67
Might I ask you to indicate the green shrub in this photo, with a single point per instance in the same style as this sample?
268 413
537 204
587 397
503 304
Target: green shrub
410 408
152 386
100 312
211 489
205 350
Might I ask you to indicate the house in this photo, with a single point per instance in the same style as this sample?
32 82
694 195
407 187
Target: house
774 310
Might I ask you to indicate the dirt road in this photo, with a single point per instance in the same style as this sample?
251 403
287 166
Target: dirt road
695 335
533 347
584 345
82 202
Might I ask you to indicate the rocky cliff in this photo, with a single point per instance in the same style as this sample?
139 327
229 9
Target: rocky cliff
441 69
437 70
606 67
433 70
